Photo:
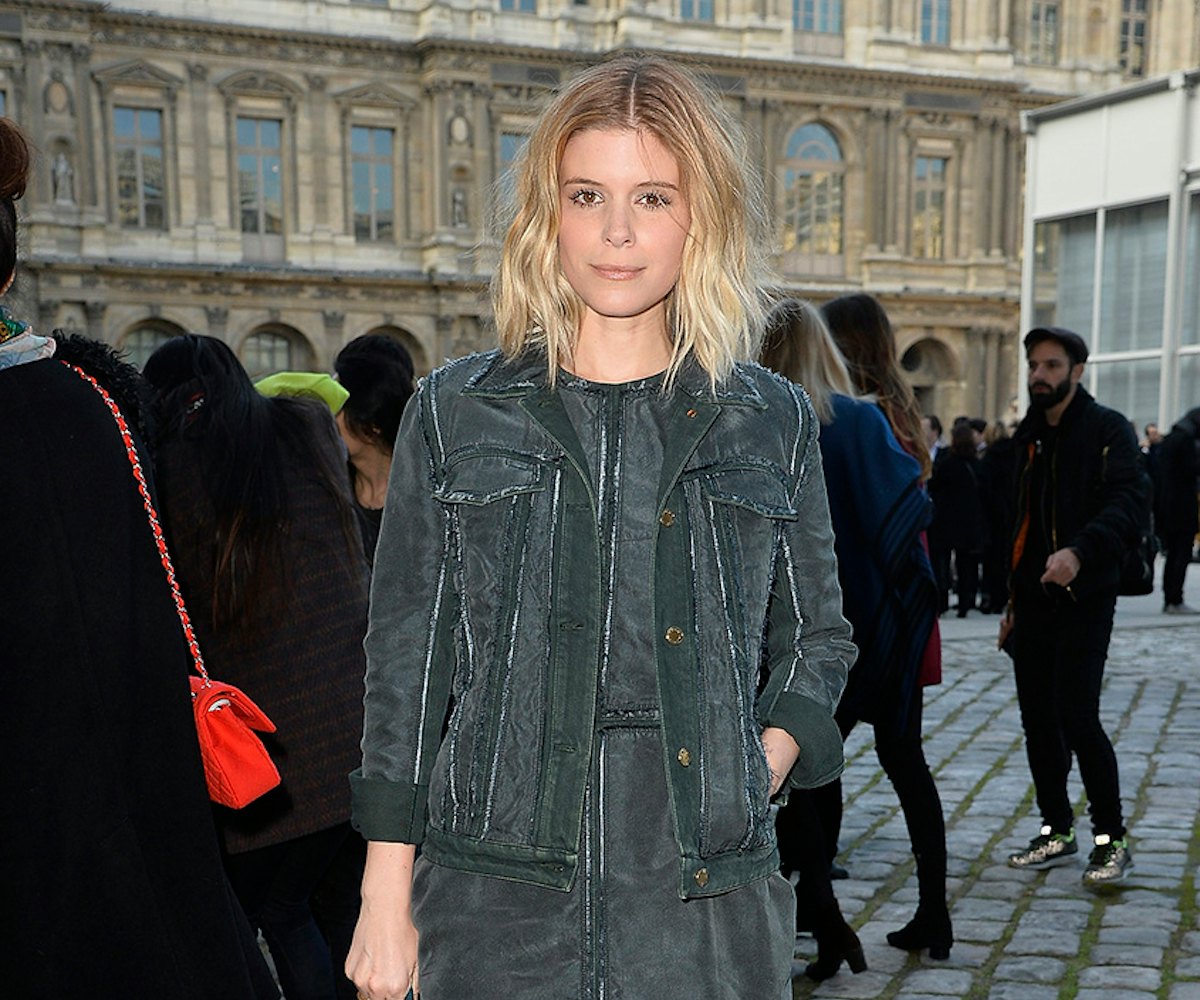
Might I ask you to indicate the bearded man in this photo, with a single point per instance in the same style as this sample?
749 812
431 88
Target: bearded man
1079 496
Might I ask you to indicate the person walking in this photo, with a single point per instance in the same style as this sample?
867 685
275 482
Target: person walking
605 621
1079 493
1178 462
895 614
959 522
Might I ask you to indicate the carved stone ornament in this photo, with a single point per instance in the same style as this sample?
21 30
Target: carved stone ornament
459 129
58 99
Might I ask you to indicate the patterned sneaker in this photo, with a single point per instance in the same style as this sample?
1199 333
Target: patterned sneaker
1047 850
1109 863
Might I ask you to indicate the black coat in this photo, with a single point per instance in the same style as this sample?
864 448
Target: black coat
1178 466
1097 493
959 520
113 885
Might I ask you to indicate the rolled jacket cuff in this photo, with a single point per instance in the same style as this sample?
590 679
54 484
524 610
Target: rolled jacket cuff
388 810
815 732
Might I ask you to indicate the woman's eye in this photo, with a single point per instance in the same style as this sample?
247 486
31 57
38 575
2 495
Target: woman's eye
586 197
655 199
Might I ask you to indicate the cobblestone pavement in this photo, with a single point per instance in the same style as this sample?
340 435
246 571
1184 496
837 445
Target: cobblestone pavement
1034 935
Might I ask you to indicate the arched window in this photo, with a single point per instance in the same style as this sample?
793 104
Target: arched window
145 338
270 350
814 173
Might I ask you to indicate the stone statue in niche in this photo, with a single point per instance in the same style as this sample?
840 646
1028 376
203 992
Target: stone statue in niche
458 208
62 176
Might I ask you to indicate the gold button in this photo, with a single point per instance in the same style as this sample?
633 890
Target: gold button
684 756
691 413
674 636
667 519
702 877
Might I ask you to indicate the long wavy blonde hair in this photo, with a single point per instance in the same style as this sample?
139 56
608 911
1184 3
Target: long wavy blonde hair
799 347
715 312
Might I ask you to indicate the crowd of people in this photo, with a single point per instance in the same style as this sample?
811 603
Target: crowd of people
562 650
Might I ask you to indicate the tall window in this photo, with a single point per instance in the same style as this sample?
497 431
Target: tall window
371 169
929 207
144 340
935 21
260 186
265 353
1133 278
138 138
522 6
1134 23
511 144
813 180
1191 289
1043 31
696 10
824 16
1064 272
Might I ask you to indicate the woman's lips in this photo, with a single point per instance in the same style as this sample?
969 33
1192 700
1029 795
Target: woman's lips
616 273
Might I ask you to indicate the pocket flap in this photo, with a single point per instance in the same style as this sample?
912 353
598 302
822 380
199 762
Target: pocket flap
755 489
485 478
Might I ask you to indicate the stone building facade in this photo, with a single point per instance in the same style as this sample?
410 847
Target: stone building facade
288 174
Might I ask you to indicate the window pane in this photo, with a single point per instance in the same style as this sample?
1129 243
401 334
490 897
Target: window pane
372 178
139 164
139 344
1131 387
266 353
360 140
1191 287
1133 284
269 133
123 121
1189 382
247 133
1064 263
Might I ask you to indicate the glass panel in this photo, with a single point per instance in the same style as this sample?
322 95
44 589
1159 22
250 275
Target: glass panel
248 192
269 131
1064 263
272 200
1133 284
246 132
383 202
150 125
123 121
141 343
1130 387
266 353
383 142
1189 382
1190 319
360 141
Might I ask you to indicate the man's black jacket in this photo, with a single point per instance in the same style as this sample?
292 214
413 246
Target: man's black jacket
1097 490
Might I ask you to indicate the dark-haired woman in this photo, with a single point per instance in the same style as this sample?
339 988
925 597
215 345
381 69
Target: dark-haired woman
377 371
113 883
896 631
261 521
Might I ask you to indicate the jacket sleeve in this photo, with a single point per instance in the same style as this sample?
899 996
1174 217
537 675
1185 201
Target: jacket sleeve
1114 527
409 638
808 647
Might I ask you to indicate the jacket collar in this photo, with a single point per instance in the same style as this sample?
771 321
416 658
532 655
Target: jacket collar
527 374
1035 420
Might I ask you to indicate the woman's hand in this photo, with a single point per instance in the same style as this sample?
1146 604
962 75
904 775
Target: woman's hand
781 751
383 955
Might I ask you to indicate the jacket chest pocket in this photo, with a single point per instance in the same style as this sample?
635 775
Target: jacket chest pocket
495 501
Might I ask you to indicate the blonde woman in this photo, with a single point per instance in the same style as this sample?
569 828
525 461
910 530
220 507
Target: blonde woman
880 512
588 537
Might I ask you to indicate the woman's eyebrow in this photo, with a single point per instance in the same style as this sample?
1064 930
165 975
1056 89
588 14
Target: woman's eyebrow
587 180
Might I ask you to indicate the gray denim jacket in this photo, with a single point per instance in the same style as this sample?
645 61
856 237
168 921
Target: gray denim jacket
485 629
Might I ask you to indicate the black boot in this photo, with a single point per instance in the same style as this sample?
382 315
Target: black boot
836 943
929 928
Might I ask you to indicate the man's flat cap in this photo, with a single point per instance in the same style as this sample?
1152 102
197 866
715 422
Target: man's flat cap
1070 341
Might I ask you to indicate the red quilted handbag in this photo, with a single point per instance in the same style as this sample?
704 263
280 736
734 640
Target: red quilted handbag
237 767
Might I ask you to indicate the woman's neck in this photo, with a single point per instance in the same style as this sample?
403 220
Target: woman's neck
616 351
372 465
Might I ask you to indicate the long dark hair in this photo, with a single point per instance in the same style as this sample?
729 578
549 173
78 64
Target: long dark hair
377 371
864 335
246 444
14 175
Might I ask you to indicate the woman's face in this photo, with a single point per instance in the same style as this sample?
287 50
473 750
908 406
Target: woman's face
624 222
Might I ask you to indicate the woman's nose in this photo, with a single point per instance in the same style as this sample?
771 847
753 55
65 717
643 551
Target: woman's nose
618 231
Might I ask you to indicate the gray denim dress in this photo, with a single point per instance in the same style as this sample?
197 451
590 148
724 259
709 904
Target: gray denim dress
621 932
